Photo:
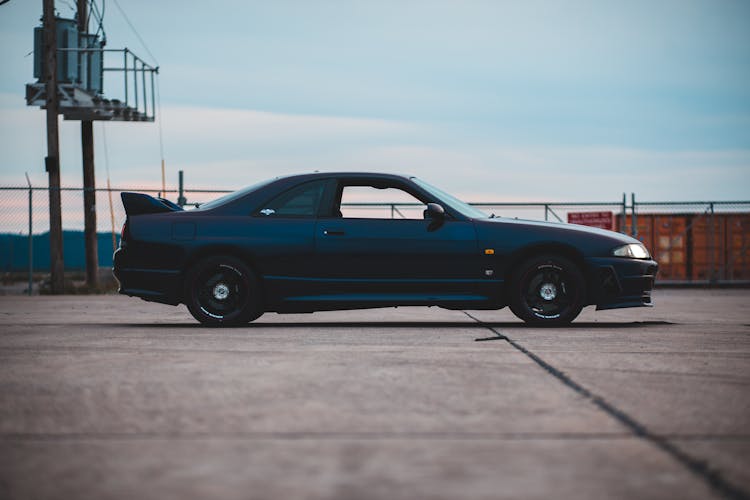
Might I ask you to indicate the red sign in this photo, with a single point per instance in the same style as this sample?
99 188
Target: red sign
594 219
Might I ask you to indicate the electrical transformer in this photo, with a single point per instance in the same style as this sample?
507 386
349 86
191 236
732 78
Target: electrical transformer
76 64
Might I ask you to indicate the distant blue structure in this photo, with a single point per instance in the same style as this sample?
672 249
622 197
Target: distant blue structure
14 251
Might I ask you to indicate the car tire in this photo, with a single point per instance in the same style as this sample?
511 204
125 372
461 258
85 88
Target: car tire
222 291
547 290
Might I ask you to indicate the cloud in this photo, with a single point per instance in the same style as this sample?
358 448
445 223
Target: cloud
490 173
214 127
229 149
195 139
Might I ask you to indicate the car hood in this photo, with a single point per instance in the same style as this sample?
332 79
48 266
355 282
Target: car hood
566 226
518 232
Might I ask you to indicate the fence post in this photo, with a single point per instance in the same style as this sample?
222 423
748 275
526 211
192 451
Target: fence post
634 223
623 217
181 200
712 245
31 235
546 212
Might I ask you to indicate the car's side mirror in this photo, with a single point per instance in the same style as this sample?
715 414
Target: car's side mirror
435 213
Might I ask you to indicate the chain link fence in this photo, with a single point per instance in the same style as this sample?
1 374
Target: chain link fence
694 242
14 203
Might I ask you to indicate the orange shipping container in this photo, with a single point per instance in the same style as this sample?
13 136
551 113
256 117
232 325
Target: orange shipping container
644 225
707 246
738 247
670 246
697 247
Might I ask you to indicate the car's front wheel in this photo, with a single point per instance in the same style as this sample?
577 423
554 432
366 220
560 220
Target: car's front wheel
547 290
222 291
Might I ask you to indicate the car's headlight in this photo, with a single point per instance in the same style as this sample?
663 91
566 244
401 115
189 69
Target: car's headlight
632 250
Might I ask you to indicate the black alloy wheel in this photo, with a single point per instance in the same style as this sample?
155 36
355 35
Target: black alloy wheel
548 290
222 291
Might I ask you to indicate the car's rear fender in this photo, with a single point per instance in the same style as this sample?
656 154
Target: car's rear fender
205 251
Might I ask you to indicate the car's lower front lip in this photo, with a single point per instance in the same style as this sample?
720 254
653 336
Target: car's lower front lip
621 282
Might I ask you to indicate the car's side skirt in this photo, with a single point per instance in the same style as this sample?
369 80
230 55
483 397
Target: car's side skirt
405 298
293 293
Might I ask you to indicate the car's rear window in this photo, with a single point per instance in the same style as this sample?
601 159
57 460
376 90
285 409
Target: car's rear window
233 196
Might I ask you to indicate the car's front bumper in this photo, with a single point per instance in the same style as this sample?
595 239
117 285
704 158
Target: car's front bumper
616 282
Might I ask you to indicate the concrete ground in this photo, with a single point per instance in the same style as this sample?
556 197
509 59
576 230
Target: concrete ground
111 397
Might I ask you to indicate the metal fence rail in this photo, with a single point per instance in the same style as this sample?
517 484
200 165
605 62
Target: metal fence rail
693 241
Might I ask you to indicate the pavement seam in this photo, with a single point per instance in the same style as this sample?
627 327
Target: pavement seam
697 467
305 435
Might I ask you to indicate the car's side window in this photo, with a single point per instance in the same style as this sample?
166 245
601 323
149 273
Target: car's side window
369 202
301 201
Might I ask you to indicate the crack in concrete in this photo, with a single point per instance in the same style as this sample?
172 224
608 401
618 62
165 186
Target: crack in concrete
698 467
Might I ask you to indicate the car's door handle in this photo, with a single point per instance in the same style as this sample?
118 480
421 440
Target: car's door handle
329 232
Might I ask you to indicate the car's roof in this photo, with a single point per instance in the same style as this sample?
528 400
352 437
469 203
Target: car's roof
274 186
350 175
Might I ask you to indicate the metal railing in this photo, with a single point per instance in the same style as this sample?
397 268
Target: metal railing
138 77
134 70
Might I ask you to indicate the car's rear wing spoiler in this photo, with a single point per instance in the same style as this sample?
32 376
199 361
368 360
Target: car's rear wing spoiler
140 204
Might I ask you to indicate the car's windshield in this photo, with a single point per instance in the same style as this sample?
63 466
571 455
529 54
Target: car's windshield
459 206
233 196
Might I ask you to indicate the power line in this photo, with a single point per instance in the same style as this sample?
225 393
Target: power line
99 17
161 138
127 20
109 189
158 89
106 149
158 105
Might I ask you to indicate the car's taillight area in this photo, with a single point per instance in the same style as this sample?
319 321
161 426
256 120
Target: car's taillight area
124 233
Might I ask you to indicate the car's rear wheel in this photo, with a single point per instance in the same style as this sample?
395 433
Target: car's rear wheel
547 290
222 291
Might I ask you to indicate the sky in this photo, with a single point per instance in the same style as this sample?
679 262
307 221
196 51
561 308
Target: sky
577 100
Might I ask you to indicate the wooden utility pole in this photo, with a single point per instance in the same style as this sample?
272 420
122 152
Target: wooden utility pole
89 180
52 161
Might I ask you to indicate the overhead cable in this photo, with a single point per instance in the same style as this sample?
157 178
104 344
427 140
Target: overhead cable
127 20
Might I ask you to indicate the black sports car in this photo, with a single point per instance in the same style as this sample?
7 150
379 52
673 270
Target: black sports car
285 245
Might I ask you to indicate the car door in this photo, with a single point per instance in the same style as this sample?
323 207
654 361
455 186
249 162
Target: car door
398 258
280 236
